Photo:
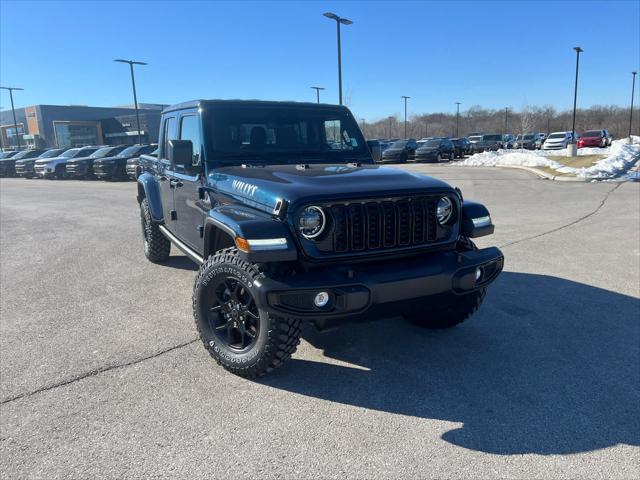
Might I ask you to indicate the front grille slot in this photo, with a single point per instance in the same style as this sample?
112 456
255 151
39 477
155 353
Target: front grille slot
384 224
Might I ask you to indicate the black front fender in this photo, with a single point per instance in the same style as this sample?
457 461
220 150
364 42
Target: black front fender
239 221
149 188
476 221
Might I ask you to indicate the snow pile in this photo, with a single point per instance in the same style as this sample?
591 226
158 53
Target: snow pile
619 157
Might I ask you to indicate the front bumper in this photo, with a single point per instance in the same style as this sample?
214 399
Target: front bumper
131 171
78 169
425 157
105 170
553 146
44 171
361 289
25 169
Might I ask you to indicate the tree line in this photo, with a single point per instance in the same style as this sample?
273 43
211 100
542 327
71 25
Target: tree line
529 119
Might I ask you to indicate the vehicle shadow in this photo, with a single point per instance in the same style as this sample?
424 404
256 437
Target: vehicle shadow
547 366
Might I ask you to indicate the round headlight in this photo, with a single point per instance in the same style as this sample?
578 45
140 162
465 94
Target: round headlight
444 210
311 222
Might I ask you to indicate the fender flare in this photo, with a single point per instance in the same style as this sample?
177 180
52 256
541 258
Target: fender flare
475 220
149 188
235 221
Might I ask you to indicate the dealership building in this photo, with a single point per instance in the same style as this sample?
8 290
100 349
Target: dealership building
42 126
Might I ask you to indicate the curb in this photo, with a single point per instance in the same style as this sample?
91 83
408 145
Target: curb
545 175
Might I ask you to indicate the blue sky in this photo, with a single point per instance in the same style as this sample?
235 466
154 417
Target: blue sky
493 54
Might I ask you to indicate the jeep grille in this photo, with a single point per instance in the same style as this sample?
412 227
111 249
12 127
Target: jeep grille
385 224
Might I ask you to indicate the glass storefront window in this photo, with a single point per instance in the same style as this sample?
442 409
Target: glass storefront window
76 135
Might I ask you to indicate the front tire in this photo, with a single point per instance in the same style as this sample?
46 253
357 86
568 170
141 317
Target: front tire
157 247
242 338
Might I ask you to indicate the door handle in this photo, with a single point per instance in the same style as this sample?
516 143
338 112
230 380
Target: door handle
173 183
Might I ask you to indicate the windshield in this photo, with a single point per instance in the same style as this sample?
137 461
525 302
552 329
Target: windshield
400 144
7 154
280 135
70 153
492 138
475 139
529 137
432 143
102 152
557 135
127 152
52 153
593 133
26 154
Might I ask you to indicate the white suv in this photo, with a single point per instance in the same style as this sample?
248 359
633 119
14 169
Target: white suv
557 141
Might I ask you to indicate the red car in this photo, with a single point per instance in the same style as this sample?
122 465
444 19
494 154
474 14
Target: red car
592 138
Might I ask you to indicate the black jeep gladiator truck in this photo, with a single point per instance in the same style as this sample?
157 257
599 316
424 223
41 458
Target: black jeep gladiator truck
290 220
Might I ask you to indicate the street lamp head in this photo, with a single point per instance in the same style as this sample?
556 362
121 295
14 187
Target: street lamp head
318 88
131 62
632 73
346 21
11 88
578 49
405 97
332 16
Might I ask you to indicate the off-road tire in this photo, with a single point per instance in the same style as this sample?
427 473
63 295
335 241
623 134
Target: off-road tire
157 247
277 337
457 308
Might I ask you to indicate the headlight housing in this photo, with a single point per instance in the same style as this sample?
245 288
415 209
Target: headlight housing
311 222
444 210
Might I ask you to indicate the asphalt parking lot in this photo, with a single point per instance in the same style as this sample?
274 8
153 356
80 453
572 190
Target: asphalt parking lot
101 373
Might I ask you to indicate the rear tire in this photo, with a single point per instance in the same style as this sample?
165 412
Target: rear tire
157 247
241 338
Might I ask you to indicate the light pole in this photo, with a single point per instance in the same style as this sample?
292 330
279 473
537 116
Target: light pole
364 125
343 21
426 129
633 87
575 95
405 98
457 118
13 111
135 97
506 118
317 89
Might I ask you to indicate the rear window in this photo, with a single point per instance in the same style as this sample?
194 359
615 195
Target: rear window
476 138
557 135
592 133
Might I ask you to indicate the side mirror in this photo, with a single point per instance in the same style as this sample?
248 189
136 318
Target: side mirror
180 152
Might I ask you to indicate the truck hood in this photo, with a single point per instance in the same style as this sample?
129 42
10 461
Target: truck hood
52 161
263 186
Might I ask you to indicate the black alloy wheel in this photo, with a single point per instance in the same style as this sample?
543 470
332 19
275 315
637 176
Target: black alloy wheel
233 315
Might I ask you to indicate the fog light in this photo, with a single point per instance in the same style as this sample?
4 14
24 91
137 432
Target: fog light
478 274
321 300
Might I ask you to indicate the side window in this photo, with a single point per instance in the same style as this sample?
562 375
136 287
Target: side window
190 130
169 133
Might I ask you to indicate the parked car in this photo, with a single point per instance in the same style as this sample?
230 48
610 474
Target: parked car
400 151
8 153
593 138
135 165
115 167
475 141
82 167
558 140
56 167
508 141
462 146
487 142
329 239
8 165
529 141
25 167
435 150
376 150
